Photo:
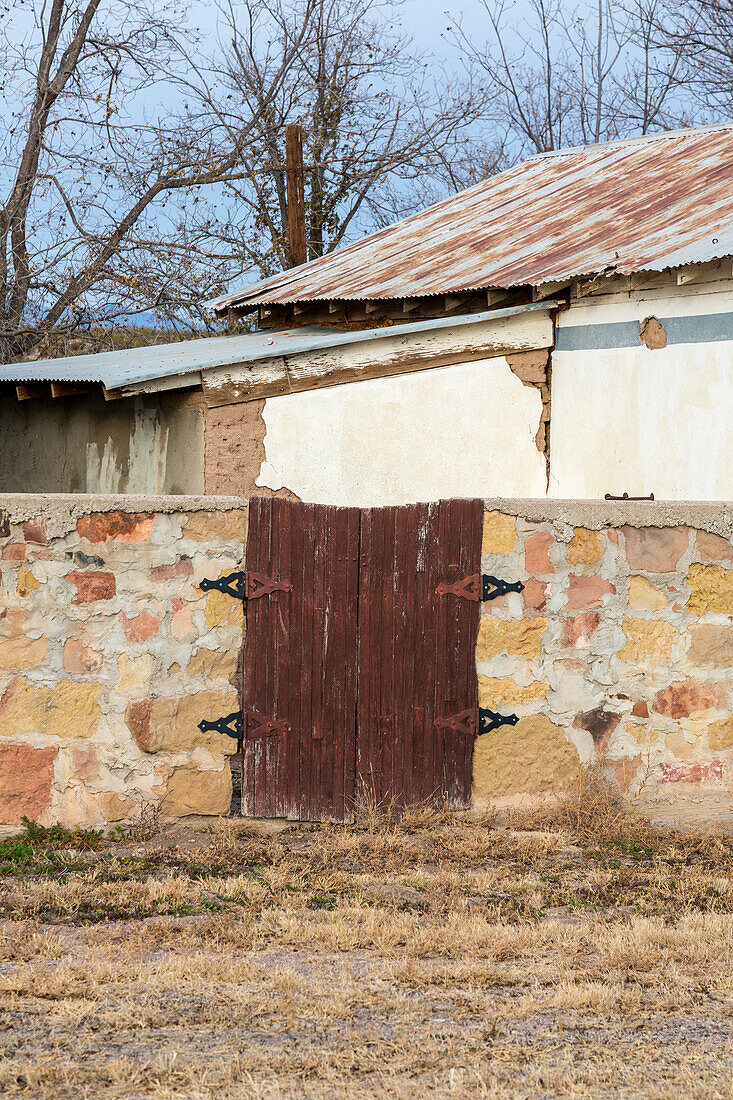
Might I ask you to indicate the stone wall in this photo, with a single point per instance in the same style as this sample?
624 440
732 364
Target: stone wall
619 650
110 655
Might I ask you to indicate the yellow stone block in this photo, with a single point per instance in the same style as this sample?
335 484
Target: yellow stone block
173 722
213 664
584 548
494 692
517 637
680 748
26 582
644 596
190 791
134 672
230 526
19 653
711 589
113 808
534 757
221 609
647 638
500 533
69 709
720 735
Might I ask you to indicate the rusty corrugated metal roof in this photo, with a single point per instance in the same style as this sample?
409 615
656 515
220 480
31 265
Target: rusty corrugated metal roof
642 204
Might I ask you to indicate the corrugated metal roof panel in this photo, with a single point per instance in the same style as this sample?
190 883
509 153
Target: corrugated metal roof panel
642 204
132 366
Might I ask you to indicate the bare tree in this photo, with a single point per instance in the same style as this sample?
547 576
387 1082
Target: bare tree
90 165
576 73
702 30
375 120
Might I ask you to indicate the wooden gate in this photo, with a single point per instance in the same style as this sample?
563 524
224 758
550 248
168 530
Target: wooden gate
359 658
417 651
300 661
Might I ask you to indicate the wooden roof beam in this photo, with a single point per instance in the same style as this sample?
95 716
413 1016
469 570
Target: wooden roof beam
69 389
27 391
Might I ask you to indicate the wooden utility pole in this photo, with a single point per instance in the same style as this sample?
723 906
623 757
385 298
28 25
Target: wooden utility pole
297 247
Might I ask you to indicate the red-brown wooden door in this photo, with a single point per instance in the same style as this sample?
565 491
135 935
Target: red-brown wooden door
416 651
300 662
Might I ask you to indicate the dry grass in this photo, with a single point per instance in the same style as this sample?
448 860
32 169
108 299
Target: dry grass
573 953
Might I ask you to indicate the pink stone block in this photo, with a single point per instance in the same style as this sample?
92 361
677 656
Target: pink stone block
34 530
121 526
690 773
79 658
182 620
537 552
587 592
141 627
688 697
14 551
576 632
182 568
92 586
535 595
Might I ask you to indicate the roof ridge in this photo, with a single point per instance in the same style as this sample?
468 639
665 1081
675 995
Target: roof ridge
660 135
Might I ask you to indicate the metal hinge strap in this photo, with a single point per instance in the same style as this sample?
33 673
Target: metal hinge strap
249 724
479 587
476 720
245 586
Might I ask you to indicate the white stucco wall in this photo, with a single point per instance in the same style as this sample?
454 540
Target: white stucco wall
457 431
628 419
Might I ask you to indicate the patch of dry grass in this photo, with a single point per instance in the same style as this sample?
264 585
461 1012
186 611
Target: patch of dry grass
570 953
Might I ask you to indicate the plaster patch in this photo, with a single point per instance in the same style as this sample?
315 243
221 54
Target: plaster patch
409 437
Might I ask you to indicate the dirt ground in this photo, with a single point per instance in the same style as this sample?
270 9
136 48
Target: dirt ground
577 953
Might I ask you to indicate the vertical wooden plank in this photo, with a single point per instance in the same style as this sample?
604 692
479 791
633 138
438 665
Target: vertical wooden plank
295 661
365 691
331 676
348 767
249 674
338 613
472 543
441 704
402 636
280 744
264 659
386 664
424 687
410 644
306 695
450 553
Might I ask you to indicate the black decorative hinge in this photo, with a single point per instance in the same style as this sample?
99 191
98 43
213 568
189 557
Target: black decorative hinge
245 586
479 587
477 720
231 585
249 724
231 725
490 720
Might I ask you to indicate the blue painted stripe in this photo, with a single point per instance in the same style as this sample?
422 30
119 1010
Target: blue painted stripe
706 328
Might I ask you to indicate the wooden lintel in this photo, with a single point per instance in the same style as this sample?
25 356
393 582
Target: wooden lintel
26 391
687 275
112 395
546 290
68 389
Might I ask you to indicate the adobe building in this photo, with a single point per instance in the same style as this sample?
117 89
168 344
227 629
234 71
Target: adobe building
564 329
